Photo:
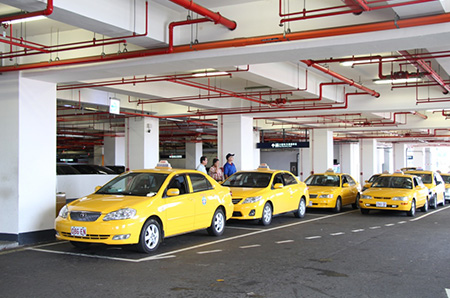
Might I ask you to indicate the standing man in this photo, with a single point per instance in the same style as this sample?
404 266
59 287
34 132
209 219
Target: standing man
202 165
229 168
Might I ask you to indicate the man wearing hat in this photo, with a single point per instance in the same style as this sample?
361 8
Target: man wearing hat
229 168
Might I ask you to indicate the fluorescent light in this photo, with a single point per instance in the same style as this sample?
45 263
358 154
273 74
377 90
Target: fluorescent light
209 74
353 62
30 19
398 81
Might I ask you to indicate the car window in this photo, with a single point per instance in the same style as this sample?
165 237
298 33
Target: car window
446 178
393 182
289 179
344 180
179 182
426 178
199 183
323 180
277 179
134 184
350 180
248 179
372 179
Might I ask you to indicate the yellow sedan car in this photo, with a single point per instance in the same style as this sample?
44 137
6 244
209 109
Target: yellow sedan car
368 183
263 193
446 178
435 184
143 207
395 192
333 190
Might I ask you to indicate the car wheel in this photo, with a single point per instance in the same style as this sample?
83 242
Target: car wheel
434 202
217 224
425 207
355 205
412 212
80 245
150 237
443 201
266 218
365 211
338 206
300 212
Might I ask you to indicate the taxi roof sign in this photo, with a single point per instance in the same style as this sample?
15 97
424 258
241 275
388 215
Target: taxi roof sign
398 172
330 170
263 166
163 164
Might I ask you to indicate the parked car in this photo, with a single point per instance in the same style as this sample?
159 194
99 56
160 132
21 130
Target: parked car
446 178
369 182
263 193
396 191
117 169
65 169
333 190
93 169
142 207
433 181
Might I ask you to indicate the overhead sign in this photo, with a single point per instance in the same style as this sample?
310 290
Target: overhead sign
114 106
173 156
272 145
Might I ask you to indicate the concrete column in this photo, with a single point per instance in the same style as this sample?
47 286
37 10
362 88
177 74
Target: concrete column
114 151
321 144
235 135
349 159
256 151
304 163
98 158
387 165
193 153
399 156
27 159
142 138
369 159
428 163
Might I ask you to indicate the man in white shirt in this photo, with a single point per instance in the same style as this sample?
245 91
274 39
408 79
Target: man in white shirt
202 166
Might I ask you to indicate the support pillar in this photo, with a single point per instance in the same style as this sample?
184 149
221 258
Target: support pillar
114 151
98 158
27 159
256 151
387 165
142 138
400 156
193 153
349 159
321 143
428 163
304 163
369 159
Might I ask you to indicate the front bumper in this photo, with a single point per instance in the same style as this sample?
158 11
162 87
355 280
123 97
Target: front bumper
321 203
248 211
390 205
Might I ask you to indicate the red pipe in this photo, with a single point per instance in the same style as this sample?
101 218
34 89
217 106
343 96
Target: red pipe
241 42
320 92
45 12
341 77
181 23
213 16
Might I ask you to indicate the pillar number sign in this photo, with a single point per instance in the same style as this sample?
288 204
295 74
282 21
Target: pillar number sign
114 106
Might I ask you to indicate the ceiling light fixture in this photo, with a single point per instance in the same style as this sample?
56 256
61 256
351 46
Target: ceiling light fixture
397 81
210 74
353 62
30 19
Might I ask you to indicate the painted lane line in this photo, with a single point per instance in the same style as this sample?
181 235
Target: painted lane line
313 237
284 241
250 246
358 230
337 234
374 228
447 291
429 213
401 222
208 252
389 225
243 236
242 228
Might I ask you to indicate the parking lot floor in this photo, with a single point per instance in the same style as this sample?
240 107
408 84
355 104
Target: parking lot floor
383 254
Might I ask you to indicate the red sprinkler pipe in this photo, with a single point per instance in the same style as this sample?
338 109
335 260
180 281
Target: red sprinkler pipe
213 16
45 12
181 23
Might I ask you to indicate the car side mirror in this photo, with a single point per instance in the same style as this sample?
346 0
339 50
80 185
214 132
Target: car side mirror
278 185
97 188
345 185
171 192
366 181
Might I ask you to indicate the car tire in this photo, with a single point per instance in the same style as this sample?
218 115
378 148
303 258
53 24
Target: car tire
300 212
151 236
434 202
80 245
364 211
425 207
412 212
443 201
217 223
267 215
338 206
355 205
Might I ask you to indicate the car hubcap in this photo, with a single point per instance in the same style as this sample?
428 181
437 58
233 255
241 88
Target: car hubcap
267 213
413 208
219 222
302 208
151 236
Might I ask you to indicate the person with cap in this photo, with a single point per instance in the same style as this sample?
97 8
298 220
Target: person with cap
215 171
229 168
202 165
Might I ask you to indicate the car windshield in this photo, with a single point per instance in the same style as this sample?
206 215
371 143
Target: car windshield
323 180
372 179
134 184
393 182
249 179
426 178
446 178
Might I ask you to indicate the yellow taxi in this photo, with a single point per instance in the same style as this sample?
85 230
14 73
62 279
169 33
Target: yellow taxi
263 193
332 190
396 191
436 186
446 178
369 182
144 206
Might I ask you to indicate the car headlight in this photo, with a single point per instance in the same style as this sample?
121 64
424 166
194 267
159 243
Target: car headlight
252 200
329 196
125 213
404 199
366 197
64 212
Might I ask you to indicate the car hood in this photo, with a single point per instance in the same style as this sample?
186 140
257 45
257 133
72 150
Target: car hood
322 189
243 192
387 192
105 203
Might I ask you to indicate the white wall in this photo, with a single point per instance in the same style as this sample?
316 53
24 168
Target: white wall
279 160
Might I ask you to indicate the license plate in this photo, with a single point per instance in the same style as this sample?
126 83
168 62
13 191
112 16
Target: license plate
381 204
78 231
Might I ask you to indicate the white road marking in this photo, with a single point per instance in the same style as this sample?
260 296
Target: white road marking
284 241
209 252
401 222
313 237
448 292
374 228
389 225
242 228
337 234
429 213
250 246
358 230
